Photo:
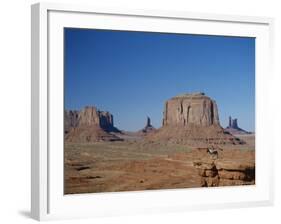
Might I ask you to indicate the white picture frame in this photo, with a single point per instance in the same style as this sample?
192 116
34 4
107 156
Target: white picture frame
48 201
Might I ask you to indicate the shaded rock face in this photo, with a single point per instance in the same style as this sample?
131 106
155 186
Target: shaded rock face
196 109
148 122
233 127
148 127
89 124
90 134
192 119
91 116
70 120
232 123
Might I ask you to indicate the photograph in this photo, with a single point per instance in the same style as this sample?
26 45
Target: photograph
155 111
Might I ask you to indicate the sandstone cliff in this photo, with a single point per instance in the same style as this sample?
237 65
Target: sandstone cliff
231 168
90 116
70 120
89 124
192 119
186 109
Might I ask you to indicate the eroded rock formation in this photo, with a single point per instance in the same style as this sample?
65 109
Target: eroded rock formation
233 127
225 172
148 127
192 119
70 120
89 124
90 116
196 109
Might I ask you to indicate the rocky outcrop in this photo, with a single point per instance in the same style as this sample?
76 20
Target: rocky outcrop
90 134
191 109
225 172
192 119
89 124
233 123
70 120
148 127
233 127
90 116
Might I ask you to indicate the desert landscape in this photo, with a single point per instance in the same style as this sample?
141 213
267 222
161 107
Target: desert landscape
190 150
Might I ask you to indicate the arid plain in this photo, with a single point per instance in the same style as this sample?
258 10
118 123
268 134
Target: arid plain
190 150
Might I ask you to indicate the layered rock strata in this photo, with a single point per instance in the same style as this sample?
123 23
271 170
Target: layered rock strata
191 109
192 119
225 172
89 125
70 120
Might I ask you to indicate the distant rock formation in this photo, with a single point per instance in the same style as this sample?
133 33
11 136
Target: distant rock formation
148 127
232 123
70 120
186 109
91 116
192 119
233 127
89 124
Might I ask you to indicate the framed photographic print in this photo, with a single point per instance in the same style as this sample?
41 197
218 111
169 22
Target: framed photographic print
138 111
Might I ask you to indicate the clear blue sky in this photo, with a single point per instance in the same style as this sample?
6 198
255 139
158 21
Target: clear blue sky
132 74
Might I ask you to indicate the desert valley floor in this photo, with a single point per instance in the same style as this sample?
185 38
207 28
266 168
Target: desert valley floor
138 164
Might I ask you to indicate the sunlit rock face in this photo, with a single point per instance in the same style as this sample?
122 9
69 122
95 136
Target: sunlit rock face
89 116
196 109
89 125
192 119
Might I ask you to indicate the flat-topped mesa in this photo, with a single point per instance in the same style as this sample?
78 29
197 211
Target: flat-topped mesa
195 94
191 109
192 119
89 125
89 116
